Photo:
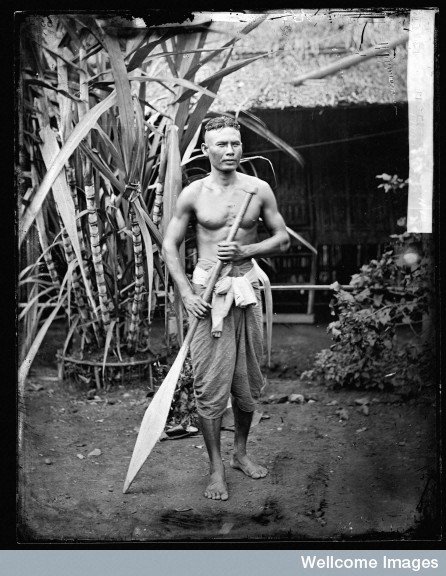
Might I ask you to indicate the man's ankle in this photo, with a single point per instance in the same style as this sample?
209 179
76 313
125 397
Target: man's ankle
217 467
240 452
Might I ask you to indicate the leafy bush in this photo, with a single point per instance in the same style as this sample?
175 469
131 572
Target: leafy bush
369 350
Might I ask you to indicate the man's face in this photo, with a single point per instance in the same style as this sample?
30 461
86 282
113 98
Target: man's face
223 147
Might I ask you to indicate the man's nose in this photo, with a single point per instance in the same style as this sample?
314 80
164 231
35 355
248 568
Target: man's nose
229 149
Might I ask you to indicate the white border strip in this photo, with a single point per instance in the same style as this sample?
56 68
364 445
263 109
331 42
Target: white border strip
420 96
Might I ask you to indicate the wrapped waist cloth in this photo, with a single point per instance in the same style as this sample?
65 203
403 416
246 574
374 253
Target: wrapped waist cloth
235 286
228 364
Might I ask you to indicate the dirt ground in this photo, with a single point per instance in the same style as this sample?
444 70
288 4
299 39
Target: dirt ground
364 477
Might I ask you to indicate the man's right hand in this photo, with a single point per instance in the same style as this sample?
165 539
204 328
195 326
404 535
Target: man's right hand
196 305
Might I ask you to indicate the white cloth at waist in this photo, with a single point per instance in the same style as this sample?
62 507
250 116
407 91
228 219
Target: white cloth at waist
228 290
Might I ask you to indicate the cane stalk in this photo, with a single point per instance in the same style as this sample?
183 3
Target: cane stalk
89 187
139 281
156 214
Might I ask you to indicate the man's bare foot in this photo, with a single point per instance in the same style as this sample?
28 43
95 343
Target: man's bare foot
249 467
217 488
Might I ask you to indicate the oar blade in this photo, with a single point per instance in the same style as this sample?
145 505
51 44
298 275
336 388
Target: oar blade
154 419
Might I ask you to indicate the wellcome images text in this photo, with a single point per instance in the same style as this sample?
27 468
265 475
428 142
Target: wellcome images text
415 564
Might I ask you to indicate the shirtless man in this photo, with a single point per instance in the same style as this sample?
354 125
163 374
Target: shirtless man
225 358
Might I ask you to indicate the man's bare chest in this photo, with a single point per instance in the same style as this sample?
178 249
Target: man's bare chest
215 209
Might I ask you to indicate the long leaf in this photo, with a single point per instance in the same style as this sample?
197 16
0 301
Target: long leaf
110 146
35 82
47 255
190 147
177 81
185 42
138 153
73 326
200 111
153 229
124 96
36 264
246 30
110 122
220 74
154 419
154 148
108 339
250 158
140 55
268 307
301 239
30 303
34 280
26 364
56 54
173 181
267 134
64 200
137 40
197 51
102 167
149 251
79 132
65 106
178 305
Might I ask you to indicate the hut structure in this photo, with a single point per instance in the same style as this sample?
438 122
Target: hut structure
349 127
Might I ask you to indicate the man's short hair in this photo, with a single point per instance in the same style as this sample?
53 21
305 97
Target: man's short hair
221 122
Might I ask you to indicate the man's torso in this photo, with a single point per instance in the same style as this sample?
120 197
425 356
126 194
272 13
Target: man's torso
216 207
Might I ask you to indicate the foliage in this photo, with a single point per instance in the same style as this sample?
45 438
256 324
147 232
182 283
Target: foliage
108 125
183 409
392 183
369 349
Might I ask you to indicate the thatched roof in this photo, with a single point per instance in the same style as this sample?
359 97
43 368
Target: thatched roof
307 42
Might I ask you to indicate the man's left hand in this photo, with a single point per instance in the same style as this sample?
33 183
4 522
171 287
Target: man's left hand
230 251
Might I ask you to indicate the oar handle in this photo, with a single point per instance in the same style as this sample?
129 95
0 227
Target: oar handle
218 267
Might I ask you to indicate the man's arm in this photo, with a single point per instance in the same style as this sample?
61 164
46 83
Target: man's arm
175 234
277 243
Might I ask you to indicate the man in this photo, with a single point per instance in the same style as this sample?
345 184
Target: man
226 350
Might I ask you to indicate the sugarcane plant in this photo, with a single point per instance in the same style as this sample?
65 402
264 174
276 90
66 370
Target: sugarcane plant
109 121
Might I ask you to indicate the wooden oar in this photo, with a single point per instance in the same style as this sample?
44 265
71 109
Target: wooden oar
155 417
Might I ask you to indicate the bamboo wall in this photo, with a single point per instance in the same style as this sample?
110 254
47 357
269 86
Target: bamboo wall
335 199
334 202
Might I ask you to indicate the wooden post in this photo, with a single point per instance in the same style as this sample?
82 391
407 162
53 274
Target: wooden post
311 293
349 61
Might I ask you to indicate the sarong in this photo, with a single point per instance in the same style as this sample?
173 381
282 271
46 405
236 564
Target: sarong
230 364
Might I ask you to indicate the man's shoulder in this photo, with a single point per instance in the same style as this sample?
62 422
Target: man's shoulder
190 191
195 185
253 182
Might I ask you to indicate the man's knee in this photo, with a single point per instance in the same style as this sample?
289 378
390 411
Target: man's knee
243 405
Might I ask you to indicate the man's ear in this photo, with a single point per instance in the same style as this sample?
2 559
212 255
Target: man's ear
204 149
